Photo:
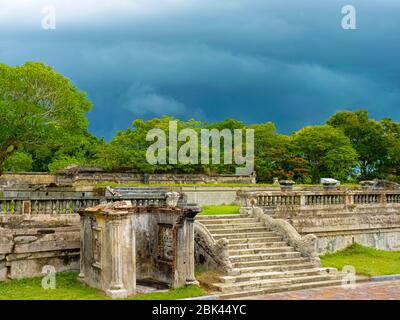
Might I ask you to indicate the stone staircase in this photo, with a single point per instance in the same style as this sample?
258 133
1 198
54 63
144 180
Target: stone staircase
262 262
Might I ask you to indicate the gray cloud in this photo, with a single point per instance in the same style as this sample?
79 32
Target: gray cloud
256 60
143 100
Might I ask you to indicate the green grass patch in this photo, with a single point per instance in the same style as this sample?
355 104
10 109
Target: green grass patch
69 288
367 261
220 209
173 294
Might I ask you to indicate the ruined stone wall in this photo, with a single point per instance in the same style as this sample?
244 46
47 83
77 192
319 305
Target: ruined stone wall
156 246
7 179
29 242
92 178
139 178
373 226
149 264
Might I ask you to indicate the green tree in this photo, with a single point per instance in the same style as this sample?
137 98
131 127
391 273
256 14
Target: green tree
127 150
367 137
391 164
327 151
19 162
275 156
39 108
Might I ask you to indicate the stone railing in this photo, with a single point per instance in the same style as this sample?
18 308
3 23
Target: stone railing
45 206
214 251
65 201
318 199
337 217
306 244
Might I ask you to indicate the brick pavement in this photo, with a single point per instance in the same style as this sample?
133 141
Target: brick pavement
383 290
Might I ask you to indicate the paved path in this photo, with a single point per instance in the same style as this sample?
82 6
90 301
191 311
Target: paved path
383 290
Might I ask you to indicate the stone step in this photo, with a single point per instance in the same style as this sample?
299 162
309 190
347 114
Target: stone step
222 216
238 235
260 244
293 287
227 221
259 250
257 276
253 240
232 226
271 283
263 256
273 268
272 262
240 230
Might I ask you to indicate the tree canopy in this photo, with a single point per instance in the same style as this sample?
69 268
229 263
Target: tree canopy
43 127
327 151
367 137
39 108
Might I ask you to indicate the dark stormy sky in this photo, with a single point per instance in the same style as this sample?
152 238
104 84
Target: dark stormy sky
289 62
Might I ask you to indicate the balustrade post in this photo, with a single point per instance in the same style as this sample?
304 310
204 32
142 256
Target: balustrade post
302 200
349 199
382 198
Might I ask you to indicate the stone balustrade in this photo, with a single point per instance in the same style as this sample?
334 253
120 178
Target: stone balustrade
337 217
45 206
71 202
309 199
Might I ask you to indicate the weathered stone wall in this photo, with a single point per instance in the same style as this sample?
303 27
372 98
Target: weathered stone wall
370 225
216 195
92 178
7 179
138 178
150 266
380 239
27 243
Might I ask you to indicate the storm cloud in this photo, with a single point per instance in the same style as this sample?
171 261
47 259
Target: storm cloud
289 62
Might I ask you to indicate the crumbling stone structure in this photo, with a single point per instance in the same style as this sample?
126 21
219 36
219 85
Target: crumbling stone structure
92 176
121 243
27 243
211 253
337 217
40 226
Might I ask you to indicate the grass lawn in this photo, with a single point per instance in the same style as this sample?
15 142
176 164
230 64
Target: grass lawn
367 261
220 209
69 288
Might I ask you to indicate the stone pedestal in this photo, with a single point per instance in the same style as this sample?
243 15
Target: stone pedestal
108 250
286 185
190 279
